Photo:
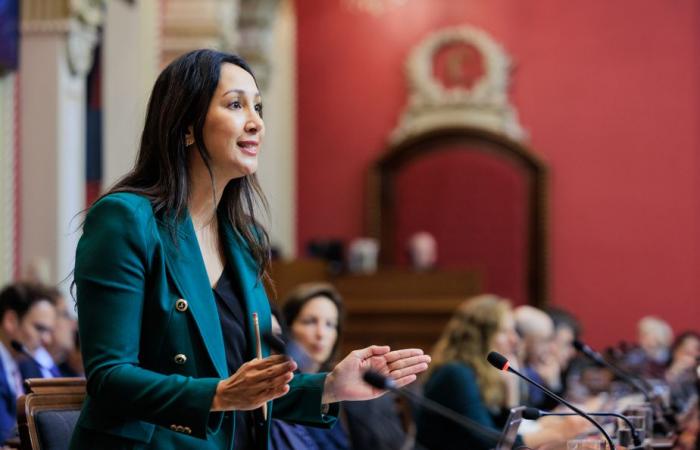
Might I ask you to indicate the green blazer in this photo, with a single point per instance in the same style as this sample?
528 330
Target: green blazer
151 338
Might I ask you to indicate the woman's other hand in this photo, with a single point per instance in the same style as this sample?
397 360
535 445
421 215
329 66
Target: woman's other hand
345 381
254 383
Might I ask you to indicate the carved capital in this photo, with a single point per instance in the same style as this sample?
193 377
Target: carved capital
77 21
82 39
190 25
89 12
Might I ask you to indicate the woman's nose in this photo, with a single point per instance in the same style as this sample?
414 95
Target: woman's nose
254 124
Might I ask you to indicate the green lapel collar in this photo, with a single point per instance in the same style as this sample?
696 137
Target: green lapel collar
184 261
251 288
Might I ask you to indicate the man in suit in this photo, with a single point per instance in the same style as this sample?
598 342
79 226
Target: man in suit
27 315
43 360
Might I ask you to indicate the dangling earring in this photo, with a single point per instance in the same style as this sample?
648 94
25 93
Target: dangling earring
189 140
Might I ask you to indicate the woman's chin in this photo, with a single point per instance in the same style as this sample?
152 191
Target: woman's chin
243 171
250 169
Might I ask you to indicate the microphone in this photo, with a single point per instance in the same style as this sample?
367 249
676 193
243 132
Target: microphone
287 346
379 381
640 385
663 416
501 362
534 414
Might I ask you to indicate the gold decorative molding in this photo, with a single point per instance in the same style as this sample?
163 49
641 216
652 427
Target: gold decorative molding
483 104
373 7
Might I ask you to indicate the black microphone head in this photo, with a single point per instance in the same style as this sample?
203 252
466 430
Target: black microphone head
589 352
378 380
276 343
19 348
531 413
497 360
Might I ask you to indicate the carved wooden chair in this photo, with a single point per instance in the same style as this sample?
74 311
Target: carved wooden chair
47 414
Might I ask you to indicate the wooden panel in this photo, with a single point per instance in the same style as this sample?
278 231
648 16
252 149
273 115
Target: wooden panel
398 283
288 274
400 308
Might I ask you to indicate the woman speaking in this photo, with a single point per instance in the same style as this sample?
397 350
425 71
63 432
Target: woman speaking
172 255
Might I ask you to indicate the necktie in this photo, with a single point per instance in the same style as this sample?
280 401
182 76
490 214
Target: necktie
55 371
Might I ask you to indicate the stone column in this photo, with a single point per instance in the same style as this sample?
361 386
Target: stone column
268 40
55 55
8 168
130 59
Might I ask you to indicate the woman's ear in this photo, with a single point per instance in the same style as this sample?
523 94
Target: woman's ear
189 137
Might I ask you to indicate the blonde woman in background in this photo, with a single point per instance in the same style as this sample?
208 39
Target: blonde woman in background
461 379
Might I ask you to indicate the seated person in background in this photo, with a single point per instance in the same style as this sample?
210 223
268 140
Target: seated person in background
654 336
566 330
461 379
422 251
72 364
314 314
27 316
42 364
538 354
682 373
285 435
64 346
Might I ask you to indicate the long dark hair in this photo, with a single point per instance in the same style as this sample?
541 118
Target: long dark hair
180 99
300 296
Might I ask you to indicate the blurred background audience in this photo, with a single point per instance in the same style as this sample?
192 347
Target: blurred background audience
461 379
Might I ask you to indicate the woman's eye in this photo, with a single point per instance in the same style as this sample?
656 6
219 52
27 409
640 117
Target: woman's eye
235 104
259 109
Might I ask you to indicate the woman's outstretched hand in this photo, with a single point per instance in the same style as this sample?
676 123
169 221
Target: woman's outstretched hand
254 383
345 381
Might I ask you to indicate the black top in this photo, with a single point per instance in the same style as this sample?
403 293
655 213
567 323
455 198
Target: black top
232 313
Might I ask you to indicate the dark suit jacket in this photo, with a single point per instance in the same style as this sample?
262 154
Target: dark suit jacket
29 368
152 368
8 407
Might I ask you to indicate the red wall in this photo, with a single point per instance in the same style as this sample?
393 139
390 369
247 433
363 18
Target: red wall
610 93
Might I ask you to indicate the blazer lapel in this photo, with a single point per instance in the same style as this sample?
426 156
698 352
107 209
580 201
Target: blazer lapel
251 288
185 263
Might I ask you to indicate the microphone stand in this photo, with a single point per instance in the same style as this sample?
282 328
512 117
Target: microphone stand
501 362
381 382
640 385
662 414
